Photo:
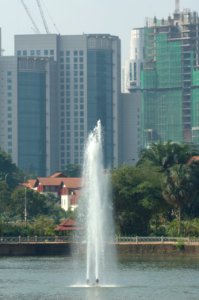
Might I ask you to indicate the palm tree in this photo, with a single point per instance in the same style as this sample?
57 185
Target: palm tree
167 154
178 188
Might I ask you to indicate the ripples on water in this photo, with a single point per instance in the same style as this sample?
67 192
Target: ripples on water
59 278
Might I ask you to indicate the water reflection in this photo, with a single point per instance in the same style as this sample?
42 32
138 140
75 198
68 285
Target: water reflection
137 278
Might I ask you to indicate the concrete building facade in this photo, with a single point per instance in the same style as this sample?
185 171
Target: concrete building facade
88 88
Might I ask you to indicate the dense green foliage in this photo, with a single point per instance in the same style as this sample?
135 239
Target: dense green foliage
71 170
160 195
43 211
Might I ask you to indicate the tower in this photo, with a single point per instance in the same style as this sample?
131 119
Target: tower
88 88
169 78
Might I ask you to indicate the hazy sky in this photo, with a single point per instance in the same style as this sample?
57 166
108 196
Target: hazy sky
116 17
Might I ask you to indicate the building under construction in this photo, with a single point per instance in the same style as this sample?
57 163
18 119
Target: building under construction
169 78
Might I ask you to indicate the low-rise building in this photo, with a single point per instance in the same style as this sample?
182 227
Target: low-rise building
67 188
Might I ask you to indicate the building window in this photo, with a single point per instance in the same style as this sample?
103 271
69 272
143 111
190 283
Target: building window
18 52
75 53
24 52
45 52
38 52
32 52
51 52
67 53
67 80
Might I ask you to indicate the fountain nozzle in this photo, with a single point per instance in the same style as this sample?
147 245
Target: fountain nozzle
97 281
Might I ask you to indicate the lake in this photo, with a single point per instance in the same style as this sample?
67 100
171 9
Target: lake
60 278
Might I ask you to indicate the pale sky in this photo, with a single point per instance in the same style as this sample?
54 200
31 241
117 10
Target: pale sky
116 17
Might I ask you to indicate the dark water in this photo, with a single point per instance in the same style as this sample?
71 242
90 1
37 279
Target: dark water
60 278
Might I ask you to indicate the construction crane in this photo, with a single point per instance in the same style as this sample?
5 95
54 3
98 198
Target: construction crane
31 18
42 16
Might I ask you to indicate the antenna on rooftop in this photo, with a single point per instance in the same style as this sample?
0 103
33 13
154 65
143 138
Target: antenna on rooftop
177 6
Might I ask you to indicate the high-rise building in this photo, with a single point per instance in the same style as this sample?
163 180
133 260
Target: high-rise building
169 78
29 113
88 88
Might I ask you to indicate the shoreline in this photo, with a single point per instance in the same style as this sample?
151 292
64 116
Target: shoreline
122 248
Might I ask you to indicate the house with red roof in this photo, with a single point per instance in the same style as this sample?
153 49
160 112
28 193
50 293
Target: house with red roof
67 225
67 188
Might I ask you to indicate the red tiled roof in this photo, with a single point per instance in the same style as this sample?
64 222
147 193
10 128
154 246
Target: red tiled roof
68 182
57 175
54 180
193 158
29 184
66 225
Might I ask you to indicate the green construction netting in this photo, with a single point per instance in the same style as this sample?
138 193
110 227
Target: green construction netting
168 62
161 112
195 77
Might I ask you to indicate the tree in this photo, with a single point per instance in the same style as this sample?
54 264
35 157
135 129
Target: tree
72 170
136 197
167 154
34 202
6 164
4 199
178 188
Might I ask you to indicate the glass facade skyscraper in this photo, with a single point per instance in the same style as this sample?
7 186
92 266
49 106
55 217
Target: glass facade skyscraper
32 120
99 101
88 88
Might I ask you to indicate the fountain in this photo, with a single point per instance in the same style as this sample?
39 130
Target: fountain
97 211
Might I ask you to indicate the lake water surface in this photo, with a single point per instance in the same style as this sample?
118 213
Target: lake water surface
60 278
